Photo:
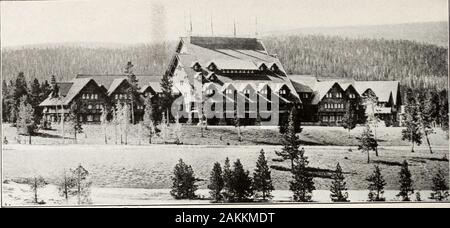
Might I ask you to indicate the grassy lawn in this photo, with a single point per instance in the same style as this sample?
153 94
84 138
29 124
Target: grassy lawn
151 166
224 135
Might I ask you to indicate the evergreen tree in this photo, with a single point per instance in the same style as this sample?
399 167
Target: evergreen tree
133 89
6 100
216 183
367 142
82 185
440 187
36 183
302 184
290 142
149 121
338 186
35 98
262 181
376 185
74 123
241 183
183 186
66 185
406 182
227 181
167 94
20 88
349 120
426 116
25 122
412 132
443 111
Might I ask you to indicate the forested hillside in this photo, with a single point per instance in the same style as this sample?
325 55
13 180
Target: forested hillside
67 61
414 64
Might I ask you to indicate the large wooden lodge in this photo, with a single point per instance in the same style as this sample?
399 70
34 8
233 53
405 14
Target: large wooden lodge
228 70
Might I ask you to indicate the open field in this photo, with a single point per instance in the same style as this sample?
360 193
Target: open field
223 135
15 194
151 166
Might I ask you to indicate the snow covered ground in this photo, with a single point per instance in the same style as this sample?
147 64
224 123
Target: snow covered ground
20 195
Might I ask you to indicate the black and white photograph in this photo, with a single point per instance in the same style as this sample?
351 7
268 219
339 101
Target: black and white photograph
135 103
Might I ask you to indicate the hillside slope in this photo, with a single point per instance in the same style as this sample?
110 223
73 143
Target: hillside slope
427 32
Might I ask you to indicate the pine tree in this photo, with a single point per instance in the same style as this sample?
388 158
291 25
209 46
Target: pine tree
183 186
370 101
367 142
406 182
35 99
338 186
302 184
349 120
20 88
376 185
149 121
440 187
216 183
241 183
66 184
5 101
262 181
82 185
133 89
427 109
227 181
25 121
36 183
104 122
291 143
167 94
412 132
74 123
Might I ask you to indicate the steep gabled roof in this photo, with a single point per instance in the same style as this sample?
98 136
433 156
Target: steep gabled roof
382 89
77 85
115 84
321 89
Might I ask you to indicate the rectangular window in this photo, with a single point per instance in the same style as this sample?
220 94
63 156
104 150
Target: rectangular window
325 118
331 118
90 118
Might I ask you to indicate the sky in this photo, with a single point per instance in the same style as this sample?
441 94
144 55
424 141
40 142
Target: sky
143 21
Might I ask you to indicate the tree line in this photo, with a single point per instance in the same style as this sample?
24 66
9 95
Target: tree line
414 64
234 184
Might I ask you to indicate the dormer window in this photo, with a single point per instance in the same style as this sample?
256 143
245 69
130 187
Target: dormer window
264 91
196 66
263 67
305 95
212 67
246 91
352 96
274 68
209 91
228 91
329 95
283 91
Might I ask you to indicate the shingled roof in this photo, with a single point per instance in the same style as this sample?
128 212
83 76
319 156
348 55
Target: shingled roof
77 85
230 53
382 89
